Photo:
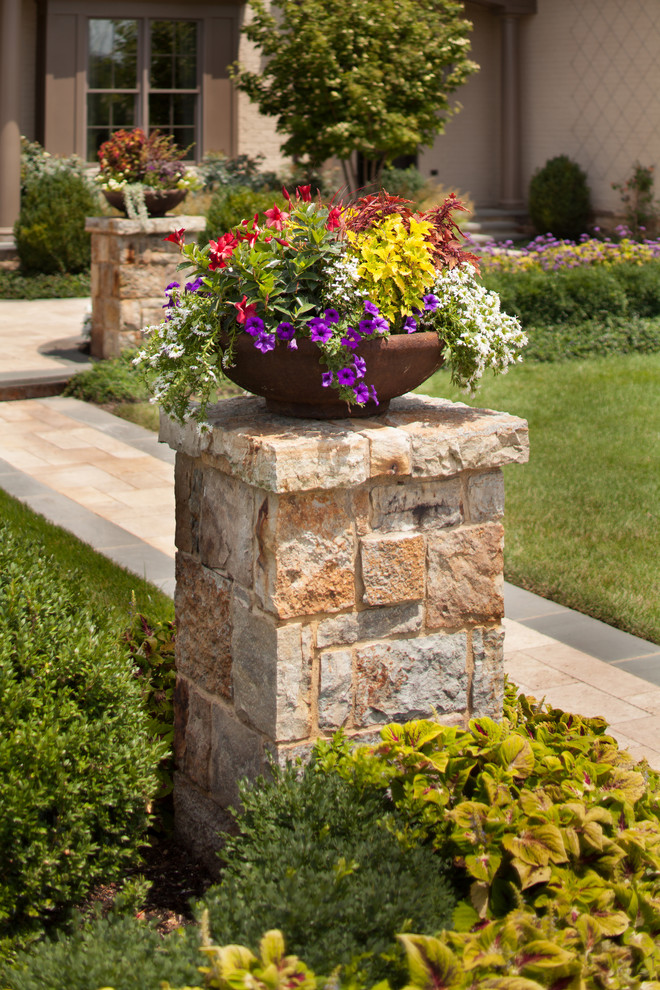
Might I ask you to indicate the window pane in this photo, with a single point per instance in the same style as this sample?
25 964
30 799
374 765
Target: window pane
173 55
161 72
107 112
185 73
112 53
160 111
172 113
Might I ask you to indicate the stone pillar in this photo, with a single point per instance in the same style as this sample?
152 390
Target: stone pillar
10 135
345 573
511 195
131 265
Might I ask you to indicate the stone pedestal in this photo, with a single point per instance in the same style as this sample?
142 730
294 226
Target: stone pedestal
131 265
331 574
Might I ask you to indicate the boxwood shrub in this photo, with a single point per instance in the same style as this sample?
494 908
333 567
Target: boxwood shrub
77 765
320 859
50 231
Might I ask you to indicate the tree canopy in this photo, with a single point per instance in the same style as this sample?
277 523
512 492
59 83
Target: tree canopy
372 76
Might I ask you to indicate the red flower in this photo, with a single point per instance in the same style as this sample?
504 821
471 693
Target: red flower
176 237
334 218
305 193
286 194
221 249
250 235
276 217
245 312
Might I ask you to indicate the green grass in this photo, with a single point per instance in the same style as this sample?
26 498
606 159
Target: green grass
582 518
109 585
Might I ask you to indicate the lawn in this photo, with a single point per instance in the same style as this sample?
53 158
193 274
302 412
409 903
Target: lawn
582 517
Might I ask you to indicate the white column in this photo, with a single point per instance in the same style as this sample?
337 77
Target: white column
511 194
10 137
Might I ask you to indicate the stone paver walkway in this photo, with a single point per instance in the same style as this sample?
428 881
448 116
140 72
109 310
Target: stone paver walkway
111 483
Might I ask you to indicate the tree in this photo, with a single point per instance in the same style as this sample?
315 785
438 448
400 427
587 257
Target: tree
372 76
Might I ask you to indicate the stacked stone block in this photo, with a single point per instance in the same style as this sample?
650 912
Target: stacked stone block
131 265
331 574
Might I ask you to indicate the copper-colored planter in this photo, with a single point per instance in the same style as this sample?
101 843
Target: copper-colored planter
290 381
157 201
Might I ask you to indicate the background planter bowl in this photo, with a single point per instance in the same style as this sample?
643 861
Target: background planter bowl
157 201
290 381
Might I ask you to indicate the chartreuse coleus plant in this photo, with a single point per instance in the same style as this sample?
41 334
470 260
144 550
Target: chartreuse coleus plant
555 833
333 275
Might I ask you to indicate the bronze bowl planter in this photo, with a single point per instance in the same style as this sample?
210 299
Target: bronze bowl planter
157 201
290 380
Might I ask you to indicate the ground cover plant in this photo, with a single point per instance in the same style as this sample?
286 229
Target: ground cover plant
15 285
582 516
549 834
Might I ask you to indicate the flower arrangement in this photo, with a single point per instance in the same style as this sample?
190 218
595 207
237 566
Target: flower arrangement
334 275
130 158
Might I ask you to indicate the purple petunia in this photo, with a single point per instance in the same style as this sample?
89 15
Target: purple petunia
371 308
326 379
431 302
410 324
286 331
346 376
361 393
372 392
331 316
366 327
172 285
351 339
254 326
194 286
319 330
265 342
380 324
360 366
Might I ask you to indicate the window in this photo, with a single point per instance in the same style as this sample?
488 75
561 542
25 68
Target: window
142 73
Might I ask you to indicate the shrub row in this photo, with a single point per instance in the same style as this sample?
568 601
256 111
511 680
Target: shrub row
574 295
77 764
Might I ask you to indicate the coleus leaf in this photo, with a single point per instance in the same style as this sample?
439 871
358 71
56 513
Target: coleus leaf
432 966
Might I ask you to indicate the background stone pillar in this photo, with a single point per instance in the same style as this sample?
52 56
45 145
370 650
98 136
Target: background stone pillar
131 265
330 574
10 135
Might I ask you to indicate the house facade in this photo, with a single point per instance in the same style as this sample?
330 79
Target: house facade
575 77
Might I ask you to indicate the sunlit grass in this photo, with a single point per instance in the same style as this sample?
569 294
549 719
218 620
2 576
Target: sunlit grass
582 518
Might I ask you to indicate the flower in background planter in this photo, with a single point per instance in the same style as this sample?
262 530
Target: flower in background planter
129 158
338 276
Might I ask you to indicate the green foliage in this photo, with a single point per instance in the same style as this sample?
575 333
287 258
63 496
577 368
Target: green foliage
405 182
217 170
77 766
559 199
50 231
15 285
118 952
574 295
601 336
233 204
151 647
638 199
357 75
318 858
557 834
112 380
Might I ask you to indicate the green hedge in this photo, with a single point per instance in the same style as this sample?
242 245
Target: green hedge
579 312
77 766
15 285
50 231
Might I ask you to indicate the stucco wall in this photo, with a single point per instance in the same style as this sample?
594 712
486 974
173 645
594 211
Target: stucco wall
466 156
591 71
